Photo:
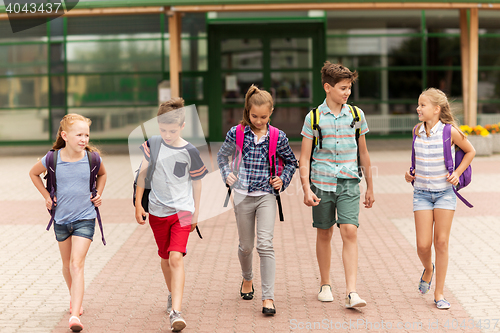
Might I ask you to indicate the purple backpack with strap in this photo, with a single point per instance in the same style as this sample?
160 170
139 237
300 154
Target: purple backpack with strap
51 184
465 178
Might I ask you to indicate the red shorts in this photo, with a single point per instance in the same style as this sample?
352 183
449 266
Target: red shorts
171 232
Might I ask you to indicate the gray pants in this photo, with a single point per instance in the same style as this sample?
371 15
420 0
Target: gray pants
250 211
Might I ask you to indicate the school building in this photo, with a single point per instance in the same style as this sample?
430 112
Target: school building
113 60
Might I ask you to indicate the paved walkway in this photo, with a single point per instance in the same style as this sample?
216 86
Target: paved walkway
126 291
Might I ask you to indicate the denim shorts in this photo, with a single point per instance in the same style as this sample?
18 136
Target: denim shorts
80 228
427 200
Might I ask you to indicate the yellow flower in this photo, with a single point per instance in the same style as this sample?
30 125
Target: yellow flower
476 130
466 129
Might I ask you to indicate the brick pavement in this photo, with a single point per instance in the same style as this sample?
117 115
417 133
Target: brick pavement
126 292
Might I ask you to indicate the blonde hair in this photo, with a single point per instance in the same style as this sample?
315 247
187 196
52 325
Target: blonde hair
172 112
66 122
438 98
257 97
334 73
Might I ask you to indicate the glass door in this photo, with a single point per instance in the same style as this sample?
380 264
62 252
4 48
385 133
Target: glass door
284 59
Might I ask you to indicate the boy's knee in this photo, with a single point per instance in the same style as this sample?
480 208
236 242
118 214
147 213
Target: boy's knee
175 259
324 235
349 232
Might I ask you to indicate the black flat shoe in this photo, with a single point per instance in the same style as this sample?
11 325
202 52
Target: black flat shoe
269 311
246 296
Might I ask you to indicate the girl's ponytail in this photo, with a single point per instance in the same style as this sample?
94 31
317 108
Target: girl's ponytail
257 97
66 122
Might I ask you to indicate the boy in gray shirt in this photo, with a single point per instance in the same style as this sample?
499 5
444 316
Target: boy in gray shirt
174 199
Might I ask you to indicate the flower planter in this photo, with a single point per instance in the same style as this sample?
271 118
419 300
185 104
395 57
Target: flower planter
496 142
482 144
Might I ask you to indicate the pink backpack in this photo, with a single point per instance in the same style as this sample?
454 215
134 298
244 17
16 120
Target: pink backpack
276 170
275 162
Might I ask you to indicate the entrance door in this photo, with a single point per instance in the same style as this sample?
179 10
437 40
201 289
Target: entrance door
282 58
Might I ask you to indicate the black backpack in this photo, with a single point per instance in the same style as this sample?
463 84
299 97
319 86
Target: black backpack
51 184
154 146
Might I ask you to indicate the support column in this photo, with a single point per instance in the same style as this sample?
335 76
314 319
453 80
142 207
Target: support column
464 51
469 42
473 61
174 30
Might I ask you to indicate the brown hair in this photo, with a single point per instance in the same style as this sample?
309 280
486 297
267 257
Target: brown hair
172 112
66 122
257 97
438 98
334 73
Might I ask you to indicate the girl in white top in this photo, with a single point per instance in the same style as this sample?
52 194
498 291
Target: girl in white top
434 201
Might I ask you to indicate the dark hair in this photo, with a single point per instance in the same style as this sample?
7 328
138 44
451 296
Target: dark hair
334 73
172 111
257 97
66 122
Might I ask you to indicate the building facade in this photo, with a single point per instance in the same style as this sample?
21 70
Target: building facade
108 67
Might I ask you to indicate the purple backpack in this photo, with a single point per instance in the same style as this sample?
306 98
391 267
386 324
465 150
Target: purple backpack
465 178
51 184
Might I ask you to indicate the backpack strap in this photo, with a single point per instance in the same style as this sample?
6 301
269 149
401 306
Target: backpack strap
154 147
448 159
412 168
51 184
95 165
236 162
318 137
355 124
240 139
274 134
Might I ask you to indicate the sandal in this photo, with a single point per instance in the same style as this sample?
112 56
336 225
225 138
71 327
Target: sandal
74 324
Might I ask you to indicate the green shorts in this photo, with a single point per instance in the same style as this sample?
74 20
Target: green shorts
343 204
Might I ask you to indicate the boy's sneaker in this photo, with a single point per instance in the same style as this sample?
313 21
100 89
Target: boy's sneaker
354 301
325 293
169 303
177 323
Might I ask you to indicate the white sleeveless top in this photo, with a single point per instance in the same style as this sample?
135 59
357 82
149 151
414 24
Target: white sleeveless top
430 170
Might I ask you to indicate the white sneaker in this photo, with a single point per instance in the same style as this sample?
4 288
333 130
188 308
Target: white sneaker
325 293
177 323
354 301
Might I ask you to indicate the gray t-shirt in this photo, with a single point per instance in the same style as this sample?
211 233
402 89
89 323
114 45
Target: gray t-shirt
73 190
171 186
